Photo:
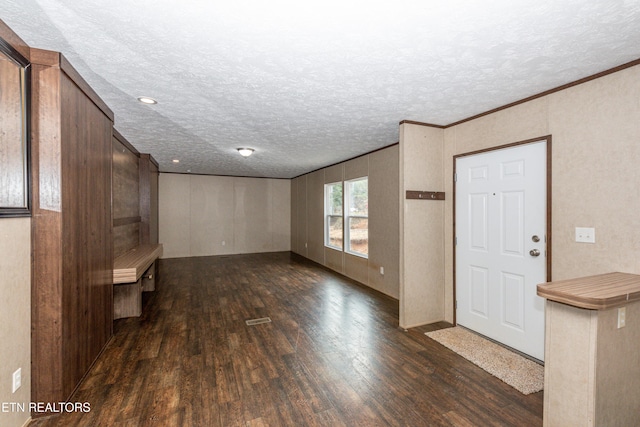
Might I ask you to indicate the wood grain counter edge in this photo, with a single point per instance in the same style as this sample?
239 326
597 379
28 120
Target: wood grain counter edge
598 292
130 266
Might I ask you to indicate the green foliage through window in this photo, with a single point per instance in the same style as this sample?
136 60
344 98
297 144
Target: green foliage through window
333 234
357 204
353 219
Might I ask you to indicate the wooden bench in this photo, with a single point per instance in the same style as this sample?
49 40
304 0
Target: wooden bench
133 273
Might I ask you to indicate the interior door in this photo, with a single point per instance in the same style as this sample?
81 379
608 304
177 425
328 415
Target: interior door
501 216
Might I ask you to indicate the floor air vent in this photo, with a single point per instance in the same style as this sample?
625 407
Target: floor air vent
258 321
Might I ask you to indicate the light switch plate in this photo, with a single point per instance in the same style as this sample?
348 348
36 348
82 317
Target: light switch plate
622 317
17 380
585 235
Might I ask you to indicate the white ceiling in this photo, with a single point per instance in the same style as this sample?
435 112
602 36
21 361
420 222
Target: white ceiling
308 83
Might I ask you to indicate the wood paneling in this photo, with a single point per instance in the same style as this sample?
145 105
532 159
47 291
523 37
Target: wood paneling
148 176
14 40
149 279
126 189
127 300
126 221
46 235
125 237
135 196
332 356
58 61
87 247
72 304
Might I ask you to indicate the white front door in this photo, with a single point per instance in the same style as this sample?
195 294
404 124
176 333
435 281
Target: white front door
501 216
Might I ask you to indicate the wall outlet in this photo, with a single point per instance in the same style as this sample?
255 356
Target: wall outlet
585 235
17 380
382 271
224 243
622 317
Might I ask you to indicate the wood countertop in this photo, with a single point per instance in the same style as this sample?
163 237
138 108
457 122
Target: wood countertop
128 268
594 292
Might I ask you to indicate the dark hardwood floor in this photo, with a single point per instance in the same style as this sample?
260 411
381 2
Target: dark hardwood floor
333 355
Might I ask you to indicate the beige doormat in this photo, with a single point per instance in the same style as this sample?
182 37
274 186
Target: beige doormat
523 374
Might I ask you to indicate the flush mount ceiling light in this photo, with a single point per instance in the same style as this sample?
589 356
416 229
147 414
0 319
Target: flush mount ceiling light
147 100
245 152
176 161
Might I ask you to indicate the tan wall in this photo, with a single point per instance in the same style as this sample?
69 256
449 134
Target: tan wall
421 226
384 250
299 215
617 371
215 215
334 259
592 366
315 216
308 204
595 173
15 314
294 215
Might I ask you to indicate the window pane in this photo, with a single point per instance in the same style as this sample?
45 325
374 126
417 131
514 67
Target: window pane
335 232
359 198
357 206
359 235
334 199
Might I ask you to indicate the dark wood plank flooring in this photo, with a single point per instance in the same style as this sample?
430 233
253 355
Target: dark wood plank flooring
333 355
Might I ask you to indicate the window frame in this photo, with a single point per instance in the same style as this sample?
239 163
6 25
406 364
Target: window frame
328 215
346 222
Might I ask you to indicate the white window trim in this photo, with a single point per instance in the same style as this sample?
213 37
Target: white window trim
328 215
346 209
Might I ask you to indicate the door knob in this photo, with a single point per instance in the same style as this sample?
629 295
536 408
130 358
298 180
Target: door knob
535 238
534 252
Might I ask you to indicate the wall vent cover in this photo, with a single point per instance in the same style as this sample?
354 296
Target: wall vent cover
253 322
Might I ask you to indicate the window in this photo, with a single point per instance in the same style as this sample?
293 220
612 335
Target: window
333 215
357 216
353 220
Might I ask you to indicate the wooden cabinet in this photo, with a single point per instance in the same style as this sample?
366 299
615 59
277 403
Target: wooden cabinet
72 246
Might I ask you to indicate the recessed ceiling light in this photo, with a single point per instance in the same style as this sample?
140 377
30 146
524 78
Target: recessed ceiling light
147 100
245 152
176 161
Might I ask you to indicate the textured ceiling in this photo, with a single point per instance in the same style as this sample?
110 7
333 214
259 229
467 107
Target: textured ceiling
308 84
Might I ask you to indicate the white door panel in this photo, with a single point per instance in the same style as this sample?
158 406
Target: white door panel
478 222
479 291
500 206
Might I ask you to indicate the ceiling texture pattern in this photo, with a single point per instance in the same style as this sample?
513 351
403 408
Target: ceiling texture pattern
309 84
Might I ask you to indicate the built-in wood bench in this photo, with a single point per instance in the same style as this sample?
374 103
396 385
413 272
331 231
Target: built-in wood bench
133 273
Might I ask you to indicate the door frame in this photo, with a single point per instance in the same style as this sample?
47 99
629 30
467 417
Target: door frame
546 138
